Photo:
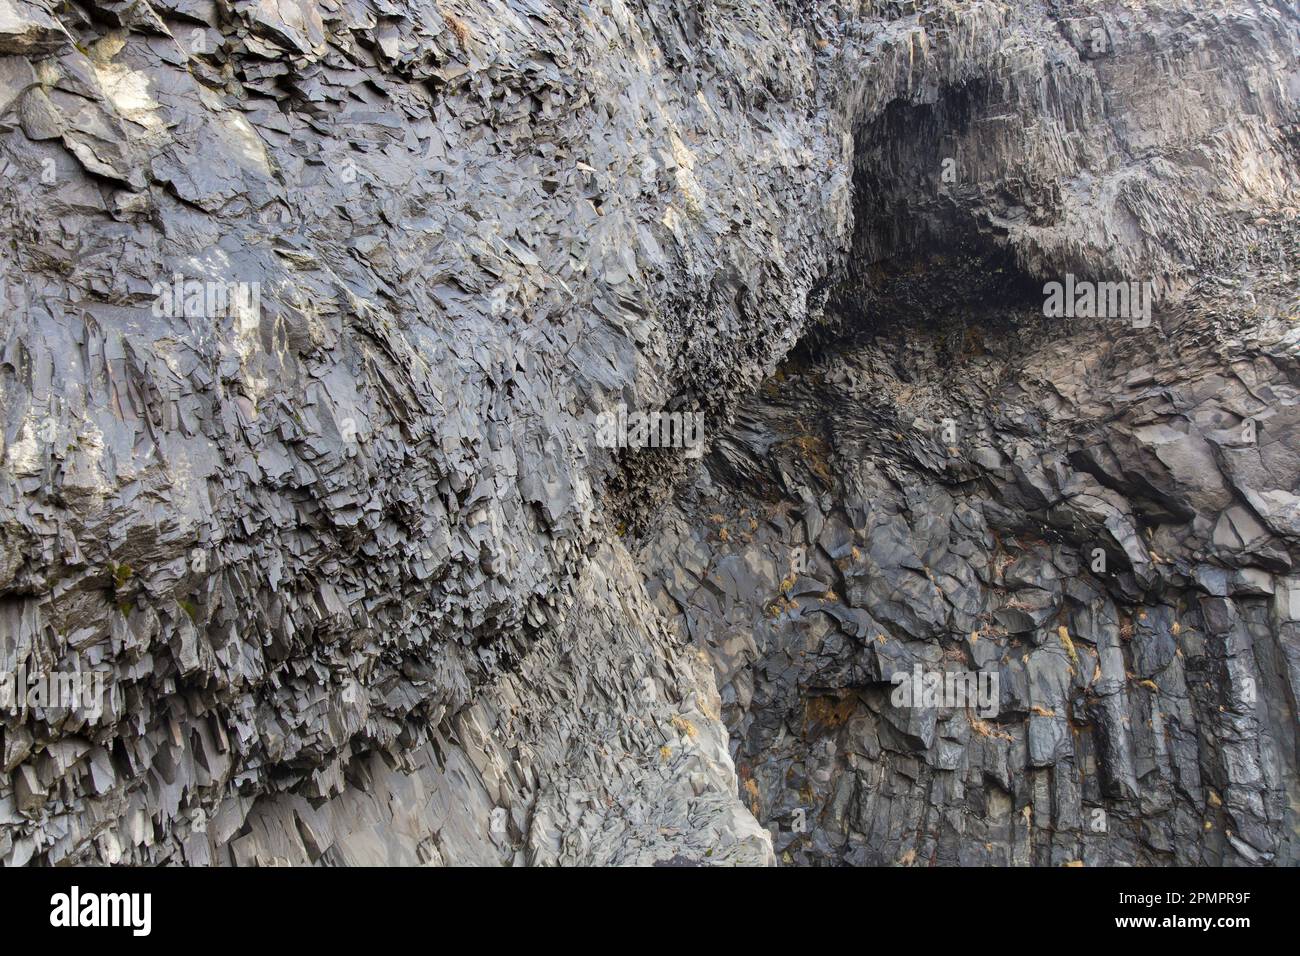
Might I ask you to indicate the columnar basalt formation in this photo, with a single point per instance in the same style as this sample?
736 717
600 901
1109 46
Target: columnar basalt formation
311 310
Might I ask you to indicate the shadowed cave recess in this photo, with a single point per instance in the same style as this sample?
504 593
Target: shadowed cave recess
939 476
365 588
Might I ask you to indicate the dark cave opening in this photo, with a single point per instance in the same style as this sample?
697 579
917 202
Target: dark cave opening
920 267
1032 541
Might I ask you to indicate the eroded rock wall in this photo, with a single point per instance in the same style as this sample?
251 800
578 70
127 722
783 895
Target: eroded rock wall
343 543
1069 514
310 531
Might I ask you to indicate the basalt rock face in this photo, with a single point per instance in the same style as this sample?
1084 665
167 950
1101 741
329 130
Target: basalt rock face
311 312
1076 518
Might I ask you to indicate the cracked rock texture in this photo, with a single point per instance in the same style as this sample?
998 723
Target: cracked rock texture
365 588
1097 536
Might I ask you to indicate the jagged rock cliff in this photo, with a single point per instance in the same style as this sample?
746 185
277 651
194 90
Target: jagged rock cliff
313 309
1085 520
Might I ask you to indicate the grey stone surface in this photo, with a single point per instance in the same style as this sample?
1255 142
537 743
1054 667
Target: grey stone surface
1147 707
366 589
